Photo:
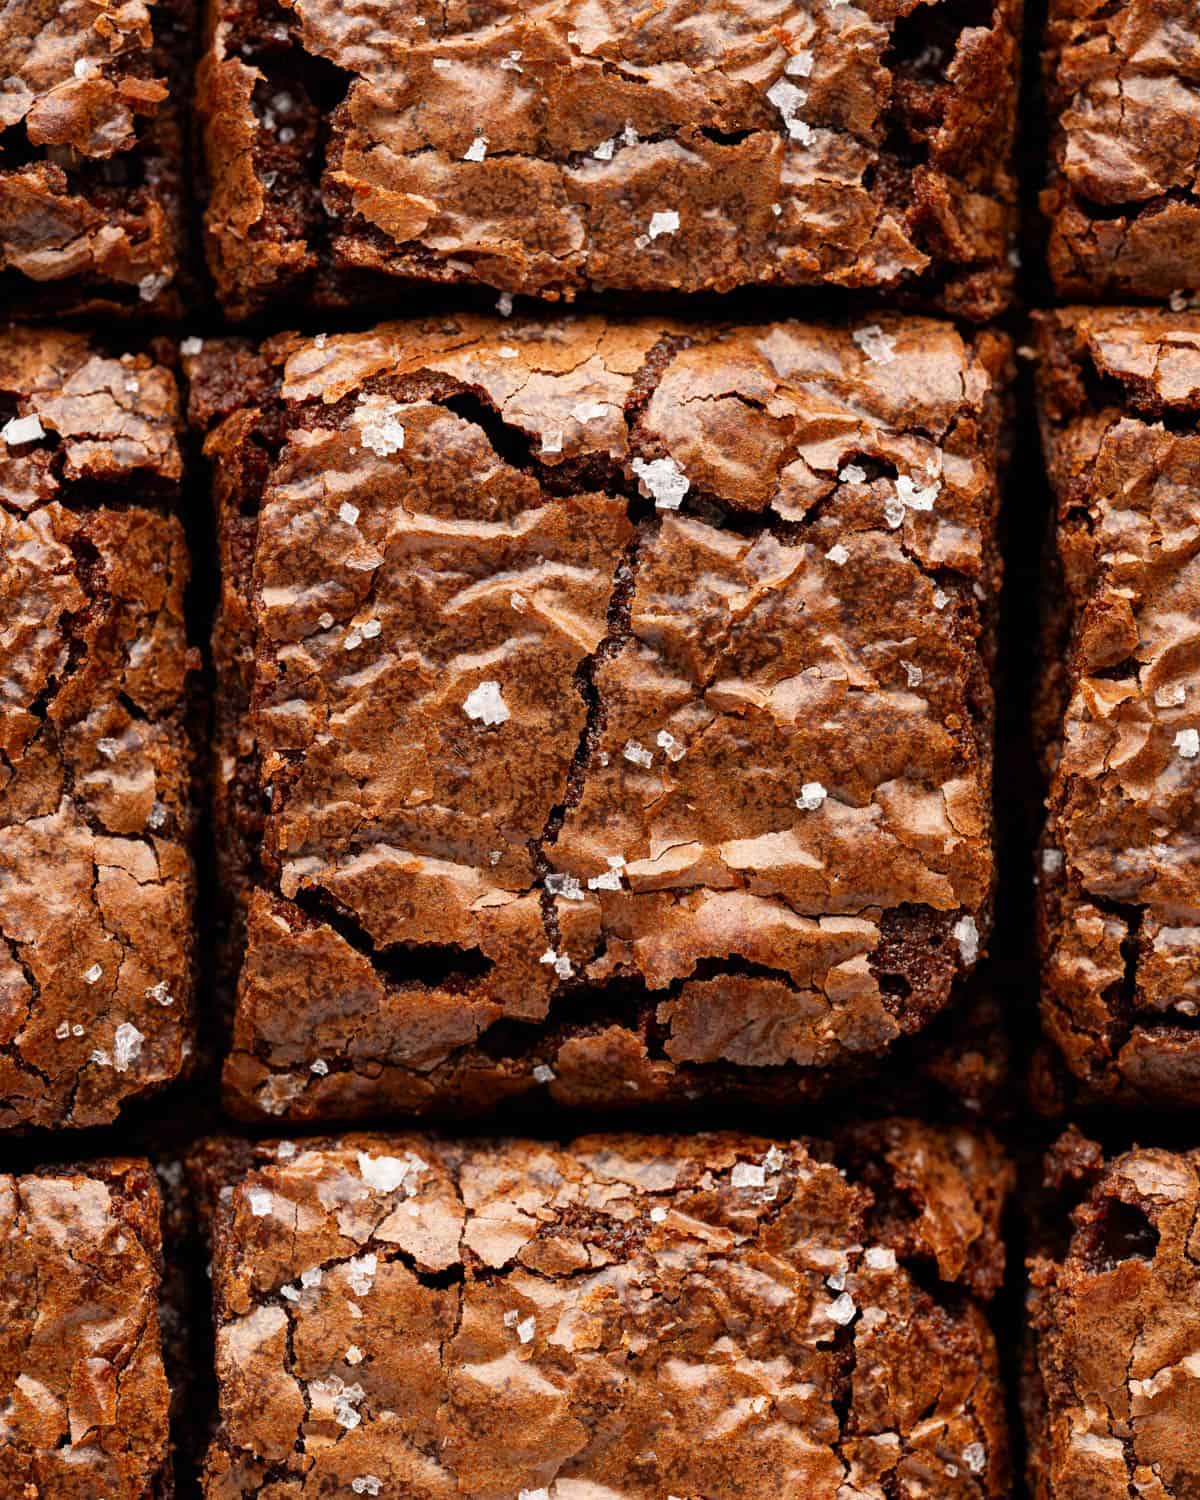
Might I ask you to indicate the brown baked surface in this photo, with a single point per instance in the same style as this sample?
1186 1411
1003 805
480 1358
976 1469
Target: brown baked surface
84 1405
1111 1387
706 1315
545 149
1119 909
427 908
92 210
1121 84
96 884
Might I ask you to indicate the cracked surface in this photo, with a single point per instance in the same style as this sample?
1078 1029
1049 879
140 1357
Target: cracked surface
1122 82
1119 905
91 198
1111 1394
627 1316
612 891
95 768
546 146
83 1396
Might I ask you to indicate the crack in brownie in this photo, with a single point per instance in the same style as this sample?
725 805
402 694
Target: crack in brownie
83 1409
96 883
1121 82
1119 913
1111 1379
604 706
92 211
551 148
711 1315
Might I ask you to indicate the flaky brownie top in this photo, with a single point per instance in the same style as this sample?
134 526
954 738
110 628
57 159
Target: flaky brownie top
544 148
1121 390
83 1410
1117 1323
712 1315
95 880
583 653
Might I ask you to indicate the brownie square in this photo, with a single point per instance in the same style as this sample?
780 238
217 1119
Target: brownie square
85 1399
604 707
92 208
673 148
1121 86
1118 871
1111 1385
96 886
711 1315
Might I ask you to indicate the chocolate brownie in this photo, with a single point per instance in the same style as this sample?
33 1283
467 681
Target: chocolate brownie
1121 80
548 149
1111 1389
711 1315
1119 874
96 887
83 1396
92 209
605 707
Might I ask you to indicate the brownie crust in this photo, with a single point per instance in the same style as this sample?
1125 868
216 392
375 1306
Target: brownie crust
1121 80
1111 1389
85 1398
1119 907
96 883
712 1315
92 211
685 147
653 756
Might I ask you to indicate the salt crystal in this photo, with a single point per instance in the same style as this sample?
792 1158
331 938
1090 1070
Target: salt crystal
486 703
841 1310
77 1030
638 754
748 1174
800 64
289 1293
1170 697
940 599
127 1046
511 63
1187 742
604 151
370 629
384 1173
155 819
504 304
325 620
63 1030
893 513
260 1202
914 498
853 474
320 1067
110 749
506 351
610 880
360 1273
880 1259
22 430
788 100
879 347
85 67
812 795
588 411
348 513
477 150
666 222
150 286
658 1215
313 1276
774 1159
838 555
975 1457
1052 860
378 428
966 935
90 976
525 1330
667 742
354 1355
913 673
566 886
191 345
366 1484
663 480
543 1074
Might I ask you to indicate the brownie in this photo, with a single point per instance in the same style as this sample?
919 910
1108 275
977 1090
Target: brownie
605 708
96 885
1114 1309
713 1315
93 216
1119 872
549 149
84 1403
1121 204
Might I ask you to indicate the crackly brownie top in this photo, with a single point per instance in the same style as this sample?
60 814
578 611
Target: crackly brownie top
1118 1326
546 147
588 653
713 1315
94 873
1122 81
78 84
83 1396
1121 391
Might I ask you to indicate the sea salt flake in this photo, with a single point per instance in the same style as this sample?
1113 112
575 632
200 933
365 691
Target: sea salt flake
879 347
566 886
360 1273
383 1173
155 819
759 1404
665 222
966 935
526 1329
893 513
774 1159
543 1074
841 1310
589 411
63 1030
658 1215
1170 697
788 100
260 1202
486 703
22 430
748 1174
812 795
853 474
90 976
800 64
312 1277
366 1484
610 880
370 629
100 1057
289 1293
638 754
504 304
127 1046
191 345
629 135
477 150
85 67
506 351
940 599
663 480
671 747
604 151
375 418
913 673
915 498
512 63
77 1030
838 555
1187 742
879 1258
150 286
975 1457
348 513
354 1355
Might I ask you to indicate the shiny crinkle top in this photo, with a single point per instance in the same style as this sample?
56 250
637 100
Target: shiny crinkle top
95 806
1120 876
547 148
631 1317
583 653
83 1396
